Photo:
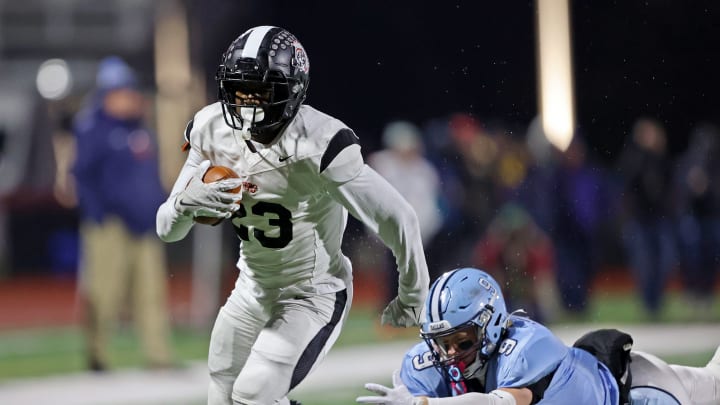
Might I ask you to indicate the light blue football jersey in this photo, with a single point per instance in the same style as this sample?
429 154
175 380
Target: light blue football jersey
528 353
419 374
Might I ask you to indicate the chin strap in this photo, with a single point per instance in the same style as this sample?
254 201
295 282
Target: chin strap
250 146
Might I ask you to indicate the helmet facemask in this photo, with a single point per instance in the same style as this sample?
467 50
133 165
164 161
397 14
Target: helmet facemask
258 107
466 344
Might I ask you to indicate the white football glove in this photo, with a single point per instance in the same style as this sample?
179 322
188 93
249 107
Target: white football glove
399 315
397 395
208 199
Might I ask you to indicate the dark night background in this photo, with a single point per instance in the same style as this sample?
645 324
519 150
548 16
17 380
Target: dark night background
375 61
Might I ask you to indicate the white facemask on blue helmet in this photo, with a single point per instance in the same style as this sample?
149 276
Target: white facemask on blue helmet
464 300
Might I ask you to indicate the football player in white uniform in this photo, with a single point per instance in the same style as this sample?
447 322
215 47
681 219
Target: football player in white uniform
301 173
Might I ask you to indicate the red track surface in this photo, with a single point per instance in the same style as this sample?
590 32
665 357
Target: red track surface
42 301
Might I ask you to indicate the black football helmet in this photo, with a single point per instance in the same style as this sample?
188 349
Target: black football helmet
269 68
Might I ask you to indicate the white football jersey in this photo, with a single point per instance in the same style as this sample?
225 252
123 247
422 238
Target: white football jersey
296 194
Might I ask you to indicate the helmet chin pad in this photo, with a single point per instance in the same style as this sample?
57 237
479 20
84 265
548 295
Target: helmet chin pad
251 114
252 102
263 121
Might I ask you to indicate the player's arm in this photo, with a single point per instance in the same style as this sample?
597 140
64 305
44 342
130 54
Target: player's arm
501 396
170 224
191 197
399 395
372 200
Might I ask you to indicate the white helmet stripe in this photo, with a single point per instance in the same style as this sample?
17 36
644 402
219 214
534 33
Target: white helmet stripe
435 297
252 45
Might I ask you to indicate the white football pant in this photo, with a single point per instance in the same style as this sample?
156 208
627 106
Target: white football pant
260 351
689 385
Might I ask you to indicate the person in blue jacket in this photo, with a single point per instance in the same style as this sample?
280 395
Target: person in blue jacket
116 172
476 352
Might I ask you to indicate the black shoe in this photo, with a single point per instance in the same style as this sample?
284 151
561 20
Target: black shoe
96 366
294 402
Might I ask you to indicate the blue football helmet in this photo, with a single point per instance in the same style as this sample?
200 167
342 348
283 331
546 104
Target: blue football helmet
465 319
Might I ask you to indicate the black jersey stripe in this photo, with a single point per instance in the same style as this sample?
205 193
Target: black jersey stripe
189 128
186 145
313 349
341 140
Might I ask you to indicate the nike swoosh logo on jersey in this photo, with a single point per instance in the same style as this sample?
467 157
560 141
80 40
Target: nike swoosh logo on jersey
284 158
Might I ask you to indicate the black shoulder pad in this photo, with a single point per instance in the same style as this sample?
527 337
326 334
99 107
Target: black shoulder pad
186 145
189 128
341 140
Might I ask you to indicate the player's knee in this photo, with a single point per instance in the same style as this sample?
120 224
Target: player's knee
259 385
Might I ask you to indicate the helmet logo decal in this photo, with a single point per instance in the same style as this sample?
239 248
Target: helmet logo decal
490 288
301 59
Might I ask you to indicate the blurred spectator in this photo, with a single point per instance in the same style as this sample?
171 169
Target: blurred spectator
403 165
512 164
466 157
541 176
520 256
119 191
571 211
698 197
647 210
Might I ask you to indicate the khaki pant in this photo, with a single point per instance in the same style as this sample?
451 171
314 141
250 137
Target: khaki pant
120 268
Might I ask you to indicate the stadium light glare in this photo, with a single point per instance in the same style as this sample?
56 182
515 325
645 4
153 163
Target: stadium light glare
54 79
555 72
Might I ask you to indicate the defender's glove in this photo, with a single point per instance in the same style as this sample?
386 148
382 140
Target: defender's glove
201 199
399 315
397 395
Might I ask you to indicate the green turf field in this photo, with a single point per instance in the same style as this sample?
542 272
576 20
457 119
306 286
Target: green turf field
42 352
51 351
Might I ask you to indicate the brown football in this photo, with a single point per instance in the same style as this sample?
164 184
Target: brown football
213 174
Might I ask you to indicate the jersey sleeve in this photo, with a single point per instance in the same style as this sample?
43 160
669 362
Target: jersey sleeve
170 225
525 361
420 375
372 200
342 160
